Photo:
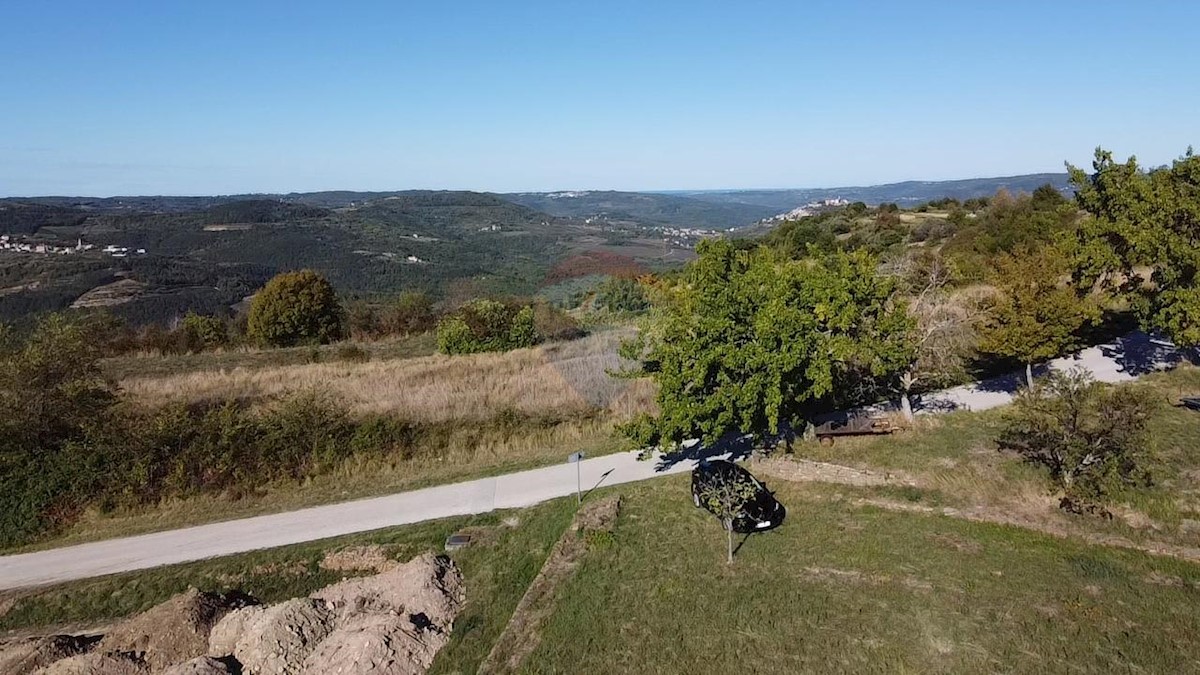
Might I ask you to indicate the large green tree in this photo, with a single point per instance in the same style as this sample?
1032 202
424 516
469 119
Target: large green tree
1036 315
1143 239
296 308
747 342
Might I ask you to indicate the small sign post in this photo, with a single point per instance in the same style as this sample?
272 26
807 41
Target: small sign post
575 459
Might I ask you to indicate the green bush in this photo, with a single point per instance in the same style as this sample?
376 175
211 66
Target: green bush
622 295
552 324
296 308
203 332
412 312
1087 434
487 326
52 395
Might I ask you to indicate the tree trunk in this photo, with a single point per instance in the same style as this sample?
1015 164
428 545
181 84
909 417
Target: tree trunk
1029 374
729 532
907 380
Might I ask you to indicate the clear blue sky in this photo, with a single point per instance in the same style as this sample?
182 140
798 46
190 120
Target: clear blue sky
209 97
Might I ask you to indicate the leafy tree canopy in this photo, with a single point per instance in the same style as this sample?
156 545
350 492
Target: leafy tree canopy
1035 315
1143 239
296 308
747 342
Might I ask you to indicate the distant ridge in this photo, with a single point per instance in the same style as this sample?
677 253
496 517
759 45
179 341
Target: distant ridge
906 193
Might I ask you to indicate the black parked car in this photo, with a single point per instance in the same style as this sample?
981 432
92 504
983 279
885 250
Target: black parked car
761 512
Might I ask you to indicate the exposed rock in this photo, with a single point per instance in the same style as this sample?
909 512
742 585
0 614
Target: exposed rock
174 631
109 295
97 663
26 656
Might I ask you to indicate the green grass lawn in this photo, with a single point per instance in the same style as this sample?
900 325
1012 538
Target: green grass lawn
841 588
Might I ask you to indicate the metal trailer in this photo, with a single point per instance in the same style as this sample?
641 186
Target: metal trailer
853 425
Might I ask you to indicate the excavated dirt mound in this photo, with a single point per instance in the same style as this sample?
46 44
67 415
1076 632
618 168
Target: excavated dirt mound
204 665
428 585
26 656
97 664
174 631
376 643
275 640
392 622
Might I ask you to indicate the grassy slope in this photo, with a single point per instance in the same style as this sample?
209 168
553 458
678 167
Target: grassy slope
471 408
838 588
156 366
957 463
465 456
842 588
496 576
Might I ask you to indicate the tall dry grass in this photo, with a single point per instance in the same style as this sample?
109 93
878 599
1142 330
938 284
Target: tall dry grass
567 378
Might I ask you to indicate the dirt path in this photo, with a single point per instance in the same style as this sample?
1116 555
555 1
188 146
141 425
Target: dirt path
984 514
523 632
804 470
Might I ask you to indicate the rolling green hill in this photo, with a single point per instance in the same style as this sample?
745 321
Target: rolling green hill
908 193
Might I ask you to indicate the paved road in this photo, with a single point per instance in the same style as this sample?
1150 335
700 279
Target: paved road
1122 360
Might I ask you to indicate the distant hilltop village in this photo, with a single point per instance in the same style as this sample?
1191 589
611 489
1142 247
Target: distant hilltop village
16 244
809 209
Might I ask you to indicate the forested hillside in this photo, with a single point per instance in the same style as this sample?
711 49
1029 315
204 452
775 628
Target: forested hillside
206 254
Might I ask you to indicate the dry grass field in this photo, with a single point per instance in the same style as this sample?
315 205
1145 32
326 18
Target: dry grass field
553 380
476 415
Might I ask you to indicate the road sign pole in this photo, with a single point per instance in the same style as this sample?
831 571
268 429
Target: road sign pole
576 458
